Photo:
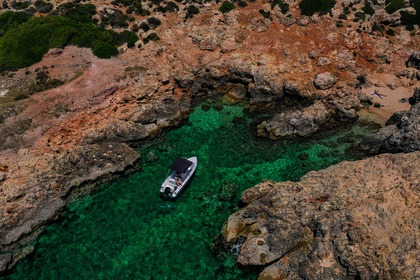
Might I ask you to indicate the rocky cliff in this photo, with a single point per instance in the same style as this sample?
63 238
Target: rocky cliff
314 72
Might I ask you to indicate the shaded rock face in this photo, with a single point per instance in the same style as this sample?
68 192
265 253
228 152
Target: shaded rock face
354 220
402 133
414 60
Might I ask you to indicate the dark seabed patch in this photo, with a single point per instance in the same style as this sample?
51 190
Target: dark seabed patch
125 231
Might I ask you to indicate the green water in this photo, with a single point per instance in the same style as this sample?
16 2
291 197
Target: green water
125 231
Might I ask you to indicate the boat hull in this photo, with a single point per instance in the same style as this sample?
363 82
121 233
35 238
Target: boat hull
175 182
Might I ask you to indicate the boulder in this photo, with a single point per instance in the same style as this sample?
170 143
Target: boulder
325 80
296 122
401 135
414 60
235 94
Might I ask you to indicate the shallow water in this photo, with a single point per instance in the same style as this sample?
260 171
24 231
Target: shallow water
125 231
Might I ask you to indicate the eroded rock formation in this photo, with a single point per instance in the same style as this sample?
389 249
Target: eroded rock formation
354 220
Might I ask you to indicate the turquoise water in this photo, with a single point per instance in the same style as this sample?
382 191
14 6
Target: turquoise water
125 231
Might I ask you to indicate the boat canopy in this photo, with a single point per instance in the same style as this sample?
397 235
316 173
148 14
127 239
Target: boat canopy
181 165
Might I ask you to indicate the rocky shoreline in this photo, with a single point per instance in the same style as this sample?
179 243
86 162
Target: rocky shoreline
66 137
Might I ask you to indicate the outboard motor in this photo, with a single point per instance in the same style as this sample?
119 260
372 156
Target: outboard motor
168 191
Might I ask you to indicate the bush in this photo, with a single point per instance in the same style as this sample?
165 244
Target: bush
242 4
310 7
342 16
411 20
43 7
25 44
20 5
125 37
191 11
103 49
153 22
144 26
153 37
360 16
390 32
77 12
367 8
172 7
226 7
264 13
392 6
11 19
284 7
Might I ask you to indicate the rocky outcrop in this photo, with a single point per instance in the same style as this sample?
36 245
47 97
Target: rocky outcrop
402 134
295 123
44 188
325 80
414 60
354 220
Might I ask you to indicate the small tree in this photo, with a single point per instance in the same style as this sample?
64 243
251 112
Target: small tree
226 7
310 7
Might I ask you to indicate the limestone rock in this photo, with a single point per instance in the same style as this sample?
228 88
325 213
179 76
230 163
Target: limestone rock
403 136
235 94
414 60
325 80
296 123
352 220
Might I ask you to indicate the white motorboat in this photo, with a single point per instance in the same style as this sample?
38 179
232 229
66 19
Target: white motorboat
178 176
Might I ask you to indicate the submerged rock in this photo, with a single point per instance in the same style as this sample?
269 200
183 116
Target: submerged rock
296 123
354 220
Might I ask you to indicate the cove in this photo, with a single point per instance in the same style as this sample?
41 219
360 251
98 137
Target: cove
124 230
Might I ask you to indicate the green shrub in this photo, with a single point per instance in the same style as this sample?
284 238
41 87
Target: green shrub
25 44
242 4
77 12
12 19
172 7
43 7
144 26
360 16
153 22
103 49
226 7
310 7
21 96
125 37
367 8
284 7
191 11
153 37
264 13
20 5
390 32
409 19
392 6
62 36
342 16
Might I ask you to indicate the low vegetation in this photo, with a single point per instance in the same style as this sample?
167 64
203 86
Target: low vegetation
310 7
25 44
24 39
